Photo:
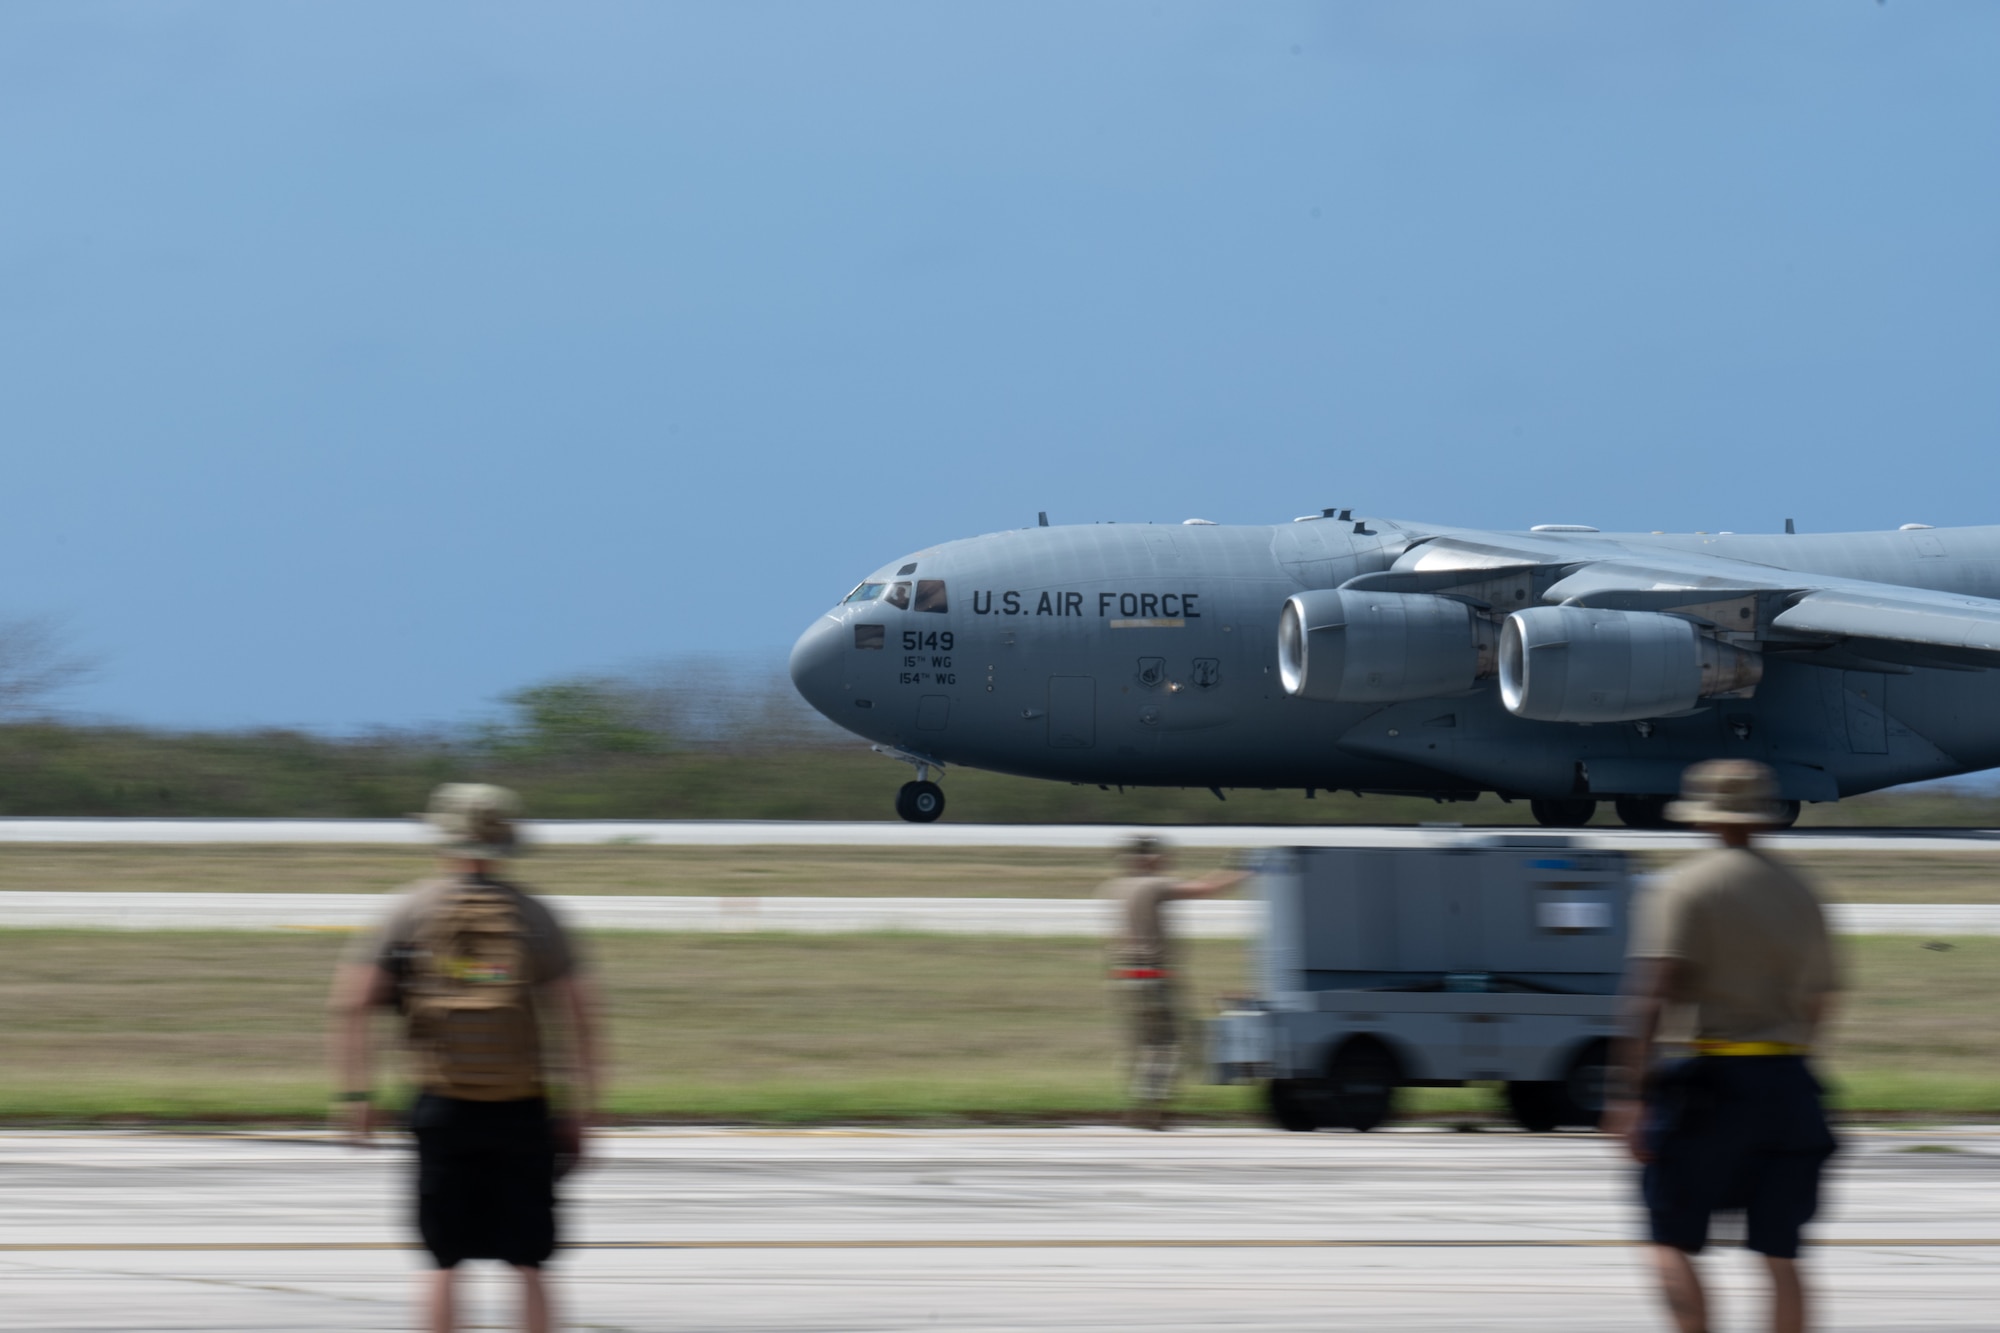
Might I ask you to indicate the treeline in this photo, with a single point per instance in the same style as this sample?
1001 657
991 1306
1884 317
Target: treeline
691 740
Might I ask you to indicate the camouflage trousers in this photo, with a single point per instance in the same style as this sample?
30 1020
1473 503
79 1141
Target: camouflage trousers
1153 1033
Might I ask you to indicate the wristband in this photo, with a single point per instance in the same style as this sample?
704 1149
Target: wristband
353 1096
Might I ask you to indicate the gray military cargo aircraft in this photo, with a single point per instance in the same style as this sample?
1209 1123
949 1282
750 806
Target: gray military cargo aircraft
1561 665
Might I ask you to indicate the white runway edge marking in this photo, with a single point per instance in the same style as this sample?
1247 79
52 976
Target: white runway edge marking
1071 917
864 1243
1094 837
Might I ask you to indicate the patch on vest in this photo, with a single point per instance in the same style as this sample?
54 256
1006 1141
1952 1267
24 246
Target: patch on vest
472 1021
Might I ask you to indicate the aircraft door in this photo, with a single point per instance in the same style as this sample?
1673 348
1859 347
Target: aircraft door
1072 712
1866 697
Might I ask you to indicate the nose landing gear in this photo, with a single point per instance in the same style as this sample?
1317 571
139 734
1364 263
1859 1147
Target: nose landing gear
920 802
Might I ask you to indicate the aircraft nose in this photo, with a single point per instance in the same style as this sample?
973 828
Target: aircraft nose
816 665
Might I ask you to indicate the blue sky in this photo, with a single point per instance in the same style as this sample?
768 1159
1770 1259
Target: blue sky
363 362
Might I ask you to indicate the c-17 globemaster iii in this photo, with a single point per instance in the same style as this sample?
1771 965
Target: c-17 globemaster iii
1562 665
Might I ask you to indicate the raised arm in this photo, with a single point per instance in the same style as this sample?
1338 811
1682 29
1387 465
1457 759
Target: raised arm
1210 886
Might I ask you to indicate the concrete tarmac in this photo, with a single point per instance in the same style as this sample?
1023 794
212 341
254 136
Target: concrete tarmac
1226 919
1086 1229
894 833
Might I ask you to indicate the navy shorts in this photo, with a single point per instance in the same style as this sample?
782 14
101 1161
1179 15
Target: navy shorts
1732 1133
486 1180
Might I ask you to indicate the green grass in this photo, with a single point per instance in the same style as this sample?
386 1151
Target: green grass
1914 1030
786 1029
999 872
992 872
1865 1091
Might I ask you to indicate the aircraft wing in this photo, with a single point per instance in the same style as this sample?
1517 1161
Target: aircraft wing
1789 609
1966 625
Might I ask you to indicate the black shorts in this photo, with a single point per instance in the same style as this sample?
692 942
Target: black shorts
486 1180
1729 1133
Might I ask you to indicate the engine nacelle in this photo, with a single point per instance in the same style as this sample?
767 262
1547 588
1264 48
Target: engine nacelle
1580 664
1381 647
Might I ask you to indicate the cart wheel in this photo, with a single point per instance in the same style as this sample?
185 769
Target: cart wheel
1575 1101
1536 1107
1583 1086
1292 1104
1361 1084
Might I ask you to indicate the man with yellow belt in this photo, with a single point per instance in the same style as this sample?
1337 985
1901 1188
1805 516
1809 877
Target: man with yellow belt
1142 969
1731 957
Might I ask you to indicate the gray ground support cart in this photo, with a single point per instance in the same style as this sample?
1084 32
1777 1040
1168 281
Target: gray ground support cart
1483 958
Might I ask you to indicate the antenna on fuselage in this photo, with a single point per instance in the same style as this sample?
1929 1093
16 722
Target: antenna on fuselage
1791 530
1043 515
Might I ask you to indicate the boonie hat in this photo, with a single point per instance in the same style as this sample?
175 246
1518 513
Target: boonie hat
476 818
1727 791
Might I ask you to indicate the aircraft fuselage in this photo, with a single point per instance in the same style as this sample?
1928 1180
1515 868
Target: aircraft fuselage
1148 655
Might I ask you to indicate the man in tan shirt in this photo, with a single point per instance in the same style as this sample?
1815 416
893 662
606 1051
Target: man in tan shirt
1732 963
1141 965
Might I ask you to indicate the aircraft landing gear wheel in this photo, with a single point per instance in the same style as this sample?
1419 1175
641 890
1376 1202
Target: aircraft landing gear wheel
1563 814
1788 814
920 802
1643 811
1361 1086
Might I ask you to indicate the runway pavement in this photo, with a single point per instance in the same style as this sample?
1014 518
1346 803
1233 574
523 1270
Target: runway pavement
118 910
1088 1229
755 833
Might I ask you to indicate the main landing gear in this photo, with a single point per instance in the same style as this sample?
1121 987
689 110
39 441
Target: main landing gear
1651 812
920 802
1643 811
1563 814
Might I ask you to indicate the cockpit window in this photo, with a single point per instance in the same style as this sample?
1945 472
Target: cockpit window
907 570
930 594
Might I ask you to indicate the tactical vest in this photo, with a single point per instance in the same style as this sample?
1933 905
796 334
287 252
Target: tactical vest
470 1002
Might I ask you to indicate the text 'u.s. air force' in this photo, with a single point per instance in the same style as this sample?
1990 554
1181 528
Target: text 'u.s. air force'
1109 605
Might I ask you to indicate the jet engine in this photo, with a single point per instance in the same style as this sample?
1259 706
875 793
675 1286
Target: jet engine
1381 647
1580 664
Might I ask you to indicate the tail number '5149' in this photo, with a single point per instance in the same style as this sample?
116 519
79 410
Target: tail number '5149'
937 641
